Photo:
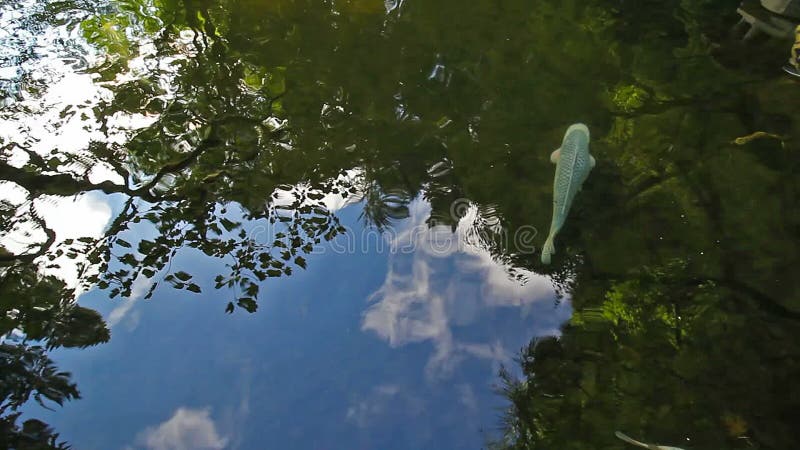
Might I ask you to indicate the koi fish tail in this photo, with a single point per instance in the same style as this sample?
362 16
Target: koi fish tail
548 249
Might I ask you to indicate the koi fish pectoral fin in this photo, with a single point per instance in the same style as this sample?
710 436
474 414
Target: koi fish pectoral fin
592 161
554 157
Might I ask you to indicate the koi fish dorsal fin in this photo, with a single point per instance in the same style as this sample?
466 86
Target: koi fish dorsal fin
554 157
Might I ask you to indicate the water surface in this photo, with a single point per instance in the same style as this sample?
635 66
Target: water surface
315 225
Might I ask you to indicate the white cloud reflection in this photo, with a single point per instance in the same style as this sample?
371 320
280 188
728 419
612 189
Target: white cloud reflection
387 402
363 411
429 293
288 197
124 312
187 429
69 217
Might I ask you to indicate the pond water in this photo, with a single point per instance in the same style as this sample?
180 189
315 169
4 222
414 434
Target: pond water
238 224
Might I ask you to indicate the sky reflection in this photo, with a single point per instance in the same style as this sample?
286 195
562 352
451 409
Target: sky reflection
389 340
431 293
326 362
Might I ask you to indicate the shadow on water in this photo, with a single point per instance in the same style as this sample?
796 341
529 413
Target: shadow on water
238 128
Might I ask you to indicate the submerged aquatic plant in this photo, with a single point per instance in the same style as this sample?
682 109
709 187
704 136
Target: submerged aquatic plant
629 97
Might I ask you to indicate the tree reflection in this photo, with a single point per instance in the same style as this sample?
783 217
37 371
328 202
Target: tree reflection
659 356
37 314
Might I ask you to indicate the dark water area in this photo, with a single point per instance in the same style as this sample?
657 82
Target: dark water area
318 225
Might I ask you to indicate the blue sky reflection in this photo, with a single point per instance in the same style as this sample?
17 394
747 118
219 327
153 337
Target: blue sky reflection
355 352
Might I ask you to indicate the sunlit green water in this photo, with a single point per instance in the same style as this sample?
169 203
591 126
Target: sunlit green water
203 118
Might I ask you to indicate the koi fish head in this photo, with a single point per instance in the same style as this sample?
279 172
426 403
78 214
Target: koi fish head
577 135
577 128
